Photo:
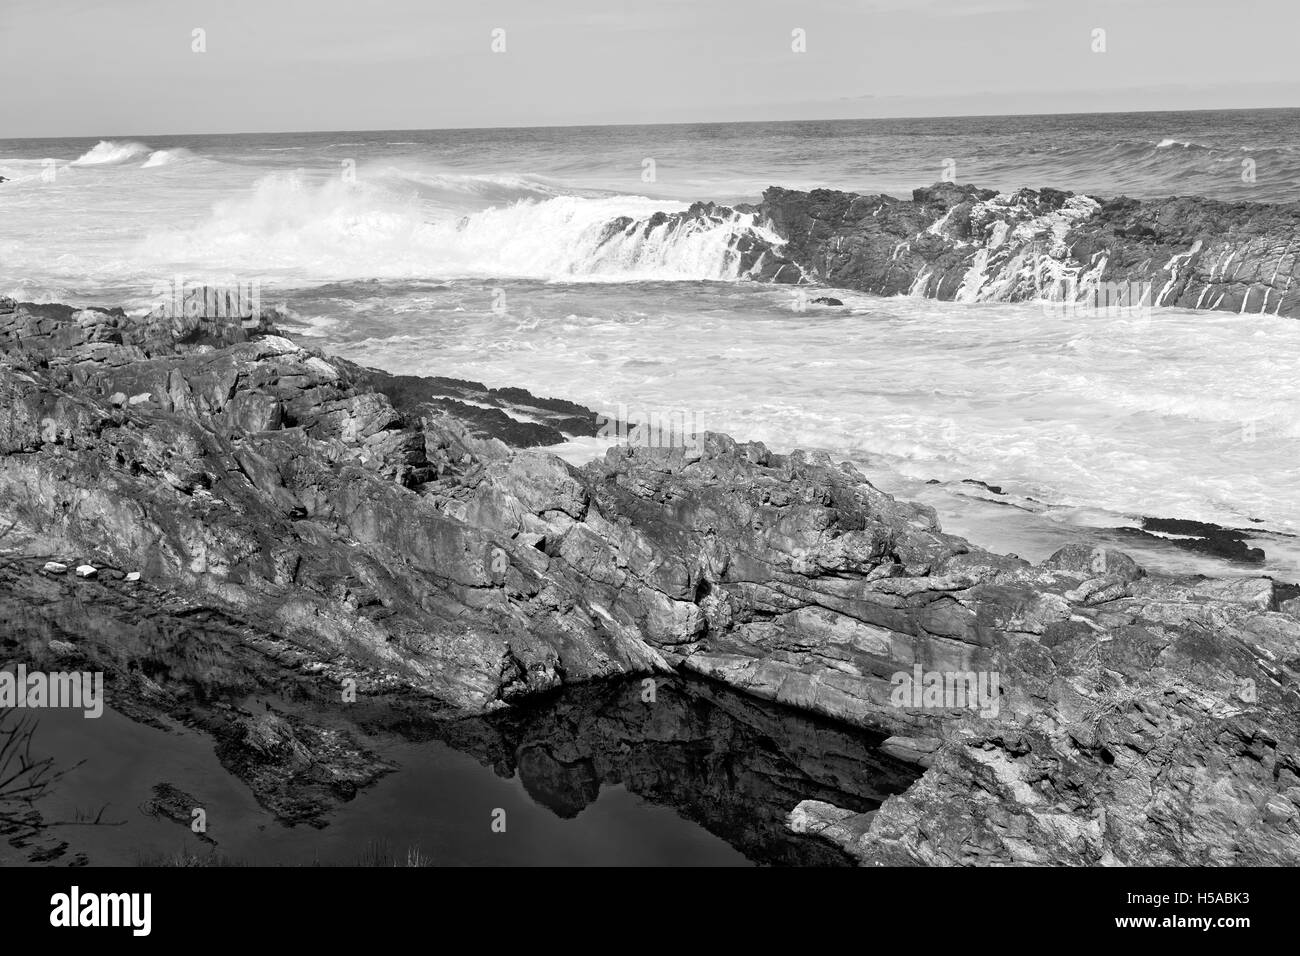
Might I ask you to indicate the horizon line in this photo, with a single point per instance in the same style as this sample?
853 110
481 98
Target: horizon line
455 129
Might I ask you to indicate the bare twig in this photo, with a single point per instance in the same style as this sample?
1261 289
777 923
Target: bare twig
24 779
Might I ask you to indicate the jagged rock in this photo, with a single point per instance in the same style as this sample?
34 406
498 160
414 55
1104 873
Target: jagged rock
86 571
958 242
1138 718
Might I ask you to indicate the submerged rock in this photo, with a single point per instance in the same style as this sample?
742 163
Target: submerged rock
171 803
1200 537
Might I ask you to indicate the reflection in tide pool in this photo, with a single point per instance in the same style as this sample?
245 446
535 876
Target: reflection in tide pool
595 774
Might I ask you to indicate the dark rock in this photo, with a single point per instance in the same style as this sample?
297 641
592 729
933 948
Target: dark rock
995 489
959 242
515 416
826 300
1198 537
175 805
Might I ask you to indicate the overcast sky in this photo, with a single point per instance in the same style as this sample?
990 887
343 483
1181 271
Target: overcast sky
126 67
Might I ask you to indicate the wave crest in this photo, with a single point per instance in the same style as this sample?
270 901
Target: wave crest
107 152
165 157
338 230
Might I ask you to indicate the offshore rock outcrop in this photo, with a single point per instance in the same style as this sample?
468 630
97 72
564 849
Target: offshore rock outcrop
962 243
1141 718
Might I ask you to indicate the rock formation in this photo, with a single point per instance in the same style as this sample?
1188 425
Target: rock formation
373 524
962 243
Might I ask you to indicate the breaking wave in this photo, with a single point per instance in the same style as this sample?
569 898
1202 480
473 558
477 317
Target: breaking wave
108 152
165 157
338 230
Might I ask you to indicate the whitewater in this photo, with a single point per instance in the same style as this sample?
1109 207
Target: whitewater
535 258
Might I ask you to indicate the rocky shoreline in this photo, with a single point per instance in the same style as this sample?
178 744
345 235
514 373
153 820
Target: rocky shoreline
962 243
406 533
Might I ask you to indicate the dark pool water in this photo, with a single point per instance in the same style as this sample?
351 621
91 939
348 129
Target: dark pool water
592 775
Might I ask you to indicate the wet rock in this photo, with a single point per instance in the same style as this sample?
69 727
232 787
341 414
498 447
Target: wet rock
995 489
512 415
173 804
1199 537
959 242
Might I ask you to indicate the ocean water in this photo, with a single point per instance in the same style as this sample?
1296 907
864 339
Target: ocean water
479 254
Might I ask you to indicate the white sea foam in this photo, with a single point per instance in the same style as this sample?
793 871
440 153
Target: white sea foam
1172 416
1181 415
108 152
340 230
165 157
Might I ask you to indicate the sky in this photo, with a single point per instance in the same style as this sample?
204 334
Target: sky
130 67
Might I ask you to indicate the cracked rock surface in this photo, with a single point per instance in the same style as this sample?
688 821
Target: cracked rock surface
1140 718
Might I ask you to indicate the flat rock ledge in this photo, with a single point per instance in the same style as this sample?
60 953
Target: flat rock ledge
1139 718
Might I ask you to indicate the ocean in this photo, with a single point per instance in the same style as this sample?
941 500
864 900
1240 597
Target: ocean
482 254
